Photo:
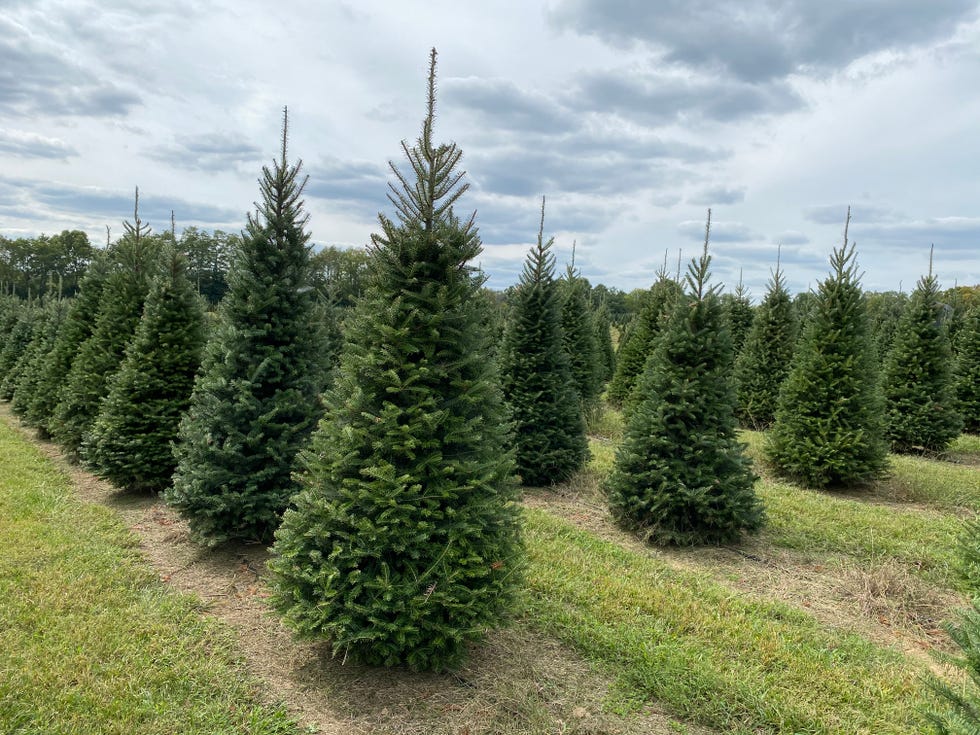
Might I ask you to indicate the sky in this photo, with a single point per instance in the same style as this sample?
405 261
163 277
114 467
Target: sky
632 118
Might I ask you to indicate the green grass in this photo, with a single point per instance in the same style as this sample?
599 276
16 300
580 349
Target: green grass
705 653
90 641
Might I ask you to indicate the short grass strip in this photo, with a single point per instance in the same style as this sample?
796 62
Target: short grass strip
706 653
90 641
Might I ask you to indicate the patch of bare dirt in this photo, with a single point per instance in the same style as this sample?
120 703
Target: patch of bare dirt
885 604
517 681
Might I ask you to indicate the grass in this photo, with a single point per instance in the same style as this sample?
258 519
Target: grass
708 654
90 641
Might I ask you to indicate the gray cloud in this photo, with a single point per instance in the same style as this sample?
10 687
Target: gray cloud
356 185
215 152
718 195
836 214
31 145
950 235
35 79
720 231
791 237
762 40
656 98
507 107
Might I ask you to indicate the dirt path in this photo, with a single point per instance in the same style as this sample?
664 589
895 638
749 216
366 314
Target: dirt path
516 682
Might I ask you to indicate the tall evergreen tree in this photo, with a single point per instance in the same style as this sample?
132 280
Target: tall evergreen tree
54 369
603 336
538 383
18 340
579 339
829 427
255 401
762 365
739 312
966 371
120 306
130 443
918 381
681 476
640 342
403 545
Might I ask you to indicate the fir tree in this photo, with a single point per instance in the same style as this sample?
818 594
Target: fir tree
739 313
918 381
958 710
99 357
18 340
130 442
966 371
762 365
579 339
404 544
681 476
539 387
255 401
45 334
829 429
603 336
53 370
640 342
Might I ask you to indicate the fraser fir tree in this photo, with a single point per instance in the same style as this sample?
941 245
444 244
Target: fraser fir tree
16 344
46 331
738 311
681 476
538 383
256 399
966 371
79 323
640 342
957 707
764 361
403 545
579 338
918 381
133 263
603 336
131 441
829 428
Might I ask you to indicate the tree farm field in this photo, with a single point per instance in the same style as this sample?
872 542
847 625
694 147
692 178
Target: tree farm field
827 621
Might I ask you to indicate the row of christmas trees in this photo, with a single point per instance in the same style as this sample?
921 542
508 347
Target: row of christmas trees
400 542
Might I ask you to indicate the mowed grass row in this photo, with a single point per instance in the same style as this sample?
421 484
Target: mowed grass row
90 641
707 653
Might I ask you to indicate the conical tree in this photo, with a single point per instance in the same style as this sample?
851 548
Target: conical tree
603 336
579 339
134 260
256 400
130 443
79 323
966 371
764 361
739 312
918 380
829 429
641 340
45 335
18 341
681 476
539 387
403 545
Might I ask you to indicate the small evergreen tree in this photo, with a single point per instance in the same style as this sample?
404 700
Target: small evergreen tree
579 339
918 381
403 545
131 441
958 712
763 363
603 338
256 399
99 357
966 371
739 312
53 371
681 476
884 313
640 342
829 429
549 430
18 341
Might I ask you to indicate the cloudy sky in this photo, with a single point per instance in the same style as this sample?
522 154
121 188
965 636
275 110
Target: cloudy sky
631 116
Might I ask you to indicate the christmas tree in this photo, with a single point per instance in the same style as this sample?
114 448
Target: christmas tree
403 545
